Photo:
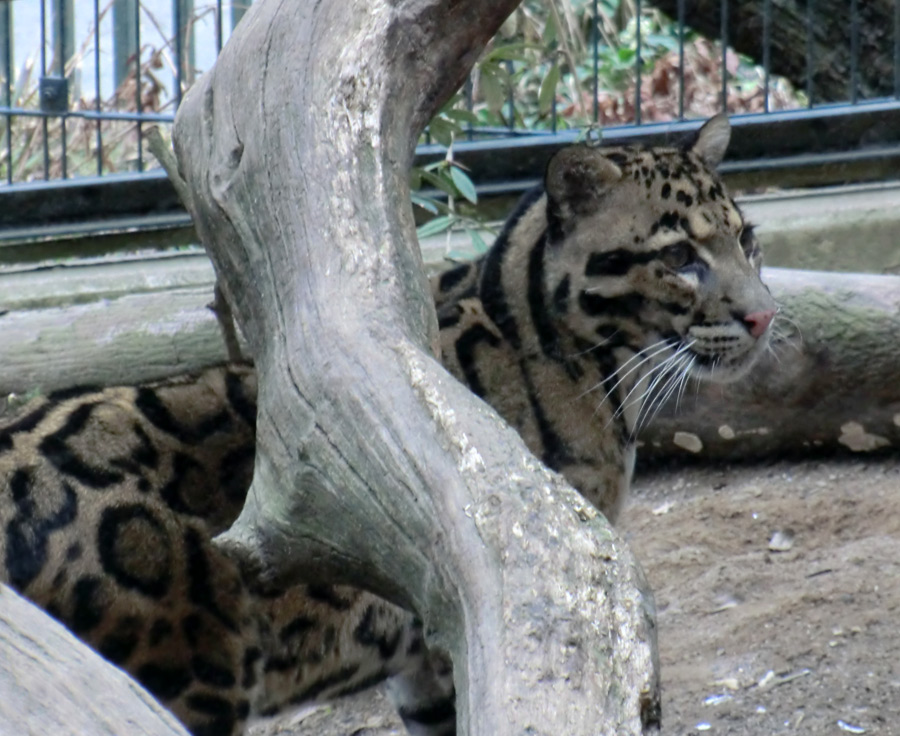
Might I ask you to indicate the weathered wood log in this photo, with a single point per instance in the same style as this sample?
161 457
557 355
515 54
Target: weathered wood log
830 382
52 683
374 466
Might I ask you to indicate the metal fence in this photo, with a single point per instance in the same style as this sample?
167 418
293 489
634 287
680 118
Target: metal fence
80 80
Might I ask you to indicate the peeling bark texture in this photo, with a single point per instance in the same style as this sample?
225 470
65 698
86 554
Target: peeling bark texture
830 383
373 466
826 56
51 683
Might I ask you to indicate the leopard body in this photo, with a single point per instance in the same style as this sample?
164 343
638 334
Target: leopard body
631 268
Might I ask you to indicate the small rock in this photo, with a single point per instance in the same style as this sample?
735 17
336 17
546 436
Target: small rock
781 541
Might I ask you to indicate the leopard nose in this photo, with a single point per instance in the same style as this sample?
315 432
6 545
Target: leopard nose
758 322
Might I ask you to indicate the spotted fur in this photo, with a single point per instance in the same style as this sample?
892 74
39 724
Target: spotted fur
630 269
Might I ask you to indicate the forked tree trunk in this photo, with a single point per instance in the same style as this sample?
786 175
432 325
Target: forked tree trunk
374 466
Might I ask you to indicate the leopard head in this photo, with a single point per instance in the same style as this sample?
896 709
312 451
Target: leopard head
646 248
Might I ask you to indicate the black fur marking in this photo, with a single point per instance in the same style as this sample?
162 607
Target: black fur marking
298 628
240 402
200 589
236 472
149 404
166 683
431 714
74 552
192 627
171 492
251 657
686 199
280 664
55 449
451 278
6 443
365 634
145 454
618 306
555 453
109 531
23 424
450 316
27 535
364 684
320 686
540 314
161 630
87 609
223 716
327 594
493 297
616 262
210 673
466 346
120 644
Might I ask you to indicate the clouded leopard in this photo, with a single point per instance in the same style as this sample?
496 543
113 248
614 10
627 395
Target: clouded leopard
629 270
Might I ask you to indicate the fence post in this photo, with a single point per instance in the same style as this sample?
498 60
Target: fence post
185 62
238 8
125 20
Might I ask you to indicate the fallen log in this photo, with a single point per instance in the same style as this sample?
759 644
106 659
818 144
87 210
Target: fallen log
51 683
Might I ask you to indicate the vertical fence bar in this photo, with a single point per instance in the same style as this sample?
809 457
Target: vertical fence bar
125 16
44 122
897 49
185 62
97 93
219 37
854 51
767 51
6 56
595 39
637 62
681 59
723 35
63 50
238 8
469 94
510 98
138 102
810 52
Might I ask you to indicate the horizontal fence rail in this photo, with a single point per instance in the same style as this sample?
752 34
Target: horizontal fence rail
810 83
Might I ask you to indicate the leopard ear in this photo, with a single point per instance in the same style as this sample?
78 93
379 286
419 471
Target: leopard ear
712 140
577 177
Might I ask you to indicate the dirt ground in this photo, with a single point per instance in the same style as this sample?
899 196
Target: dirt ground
778 589
805 640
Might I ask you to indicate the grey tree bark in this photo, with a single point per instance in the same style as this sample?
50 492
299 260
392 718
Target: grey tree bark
830 43
373 466
52 683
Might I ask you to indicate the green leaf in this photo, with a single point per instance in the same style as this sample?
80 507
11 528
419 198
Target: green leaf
548 90
462 116
435 226
492 88
426 203
443 130
440 181
463 184
477 241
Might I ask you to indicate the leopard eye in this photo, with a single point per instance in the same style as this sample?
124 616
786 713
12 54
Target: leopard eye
678 255
747 238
